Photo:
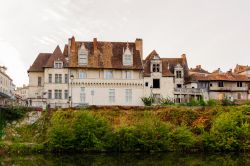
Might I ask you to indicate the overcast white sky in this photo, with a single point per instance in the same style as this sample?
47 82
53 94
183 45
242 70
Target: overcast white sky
213 33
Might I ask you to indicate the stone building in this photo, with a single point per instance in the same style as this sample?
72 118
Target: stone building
219 85
164 77
114 73
21 95
6 87
105 73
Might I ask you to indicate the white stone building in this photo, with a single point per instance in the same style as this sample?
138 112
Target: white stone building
6 87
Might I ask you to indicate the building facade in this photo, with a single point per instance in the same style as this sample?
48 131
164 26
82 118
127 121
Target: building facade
21 95
219 85
6 87
115 73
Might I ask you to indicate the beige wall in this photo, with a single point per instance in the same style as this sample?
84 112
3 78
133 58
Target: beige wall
166 89
5 84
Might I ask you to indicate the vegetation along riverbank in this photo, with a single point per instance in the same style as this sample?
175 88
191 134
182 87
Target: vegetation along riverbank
123 129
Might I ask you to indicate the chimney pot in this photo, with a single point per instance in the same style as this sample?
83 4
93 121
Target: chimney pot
95 44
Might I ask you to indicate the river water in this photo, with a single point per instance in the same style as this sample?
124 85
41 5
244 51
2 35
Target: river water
128 159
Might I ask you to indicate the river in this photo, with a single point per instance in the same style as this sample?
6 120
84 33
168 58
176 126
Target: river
128 159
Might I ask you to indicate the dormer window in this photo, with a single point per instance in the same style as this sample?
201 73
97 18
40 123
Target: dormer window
156 67
82 55
58 64
178 74
127 56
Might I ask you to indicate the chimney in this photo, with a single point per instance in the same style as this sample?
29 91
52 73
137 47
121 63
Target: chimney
198 66
139 47
95 44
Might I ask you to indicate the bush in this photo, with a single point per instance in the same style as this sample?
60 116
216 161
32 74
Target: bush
227 102
148 135
148 101
212 102
229 132
166 101
78 130
184 139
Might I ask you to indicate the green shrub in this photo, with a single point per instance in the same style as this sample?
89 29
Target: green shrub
148 101
148 135
227 102
184 139
78 130
212 102
229 132
166 101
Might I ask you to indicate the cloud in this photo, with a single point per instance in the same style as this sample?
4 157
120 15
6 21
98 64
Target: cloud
12 60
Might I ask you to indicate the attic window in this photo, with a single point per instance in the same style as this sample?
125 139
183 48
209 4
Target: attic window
127 56
58 64
82 55
156 67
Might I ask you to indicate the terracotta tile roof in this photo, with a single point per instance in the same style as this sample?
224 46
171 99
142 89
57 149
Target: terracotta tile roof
105 55
241 68
198 69
168 65
40 62
218 77
56 55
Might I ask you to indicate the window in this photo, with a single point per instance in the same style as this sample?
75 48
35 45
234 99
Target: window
108 74
111 95
128 95
128 75
82 74
39 81
156 83
49 94
58 78
146 84
83 59
58 64
50 78
239 84
156 67
179 86
66 94
66 78
127 59
220 84
210 84
178 74
58 94
82 95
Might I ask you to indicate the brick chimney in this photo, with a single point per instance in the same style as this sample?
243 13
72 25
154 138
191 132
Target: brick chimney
95 44
198 67
139 47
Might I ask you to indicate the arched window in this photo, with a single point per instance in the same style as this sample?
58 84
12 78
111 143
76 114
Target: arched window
82 55
127 56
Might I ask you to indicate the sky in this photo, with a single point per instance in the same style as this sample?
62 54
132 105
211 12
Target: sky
212 33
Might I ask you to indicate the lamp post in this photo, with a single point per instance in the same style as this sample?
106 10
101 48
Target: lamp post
71 97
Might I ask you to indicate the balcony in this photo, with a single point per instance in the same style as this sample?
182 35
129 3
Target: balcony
105 82
190 91
228 89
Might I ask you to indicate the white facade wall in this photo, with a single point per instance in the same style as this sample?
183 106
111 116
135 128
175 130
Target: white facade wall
166 89
96 87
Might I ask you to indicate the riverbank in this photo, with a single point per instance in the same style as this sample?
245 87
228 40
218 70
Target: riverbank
120 129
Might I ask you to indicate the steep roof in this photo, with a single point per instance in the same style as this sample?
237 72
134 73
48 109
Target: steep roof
56 55
198 69
105 55
168 64
229 76
39 62
241 68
